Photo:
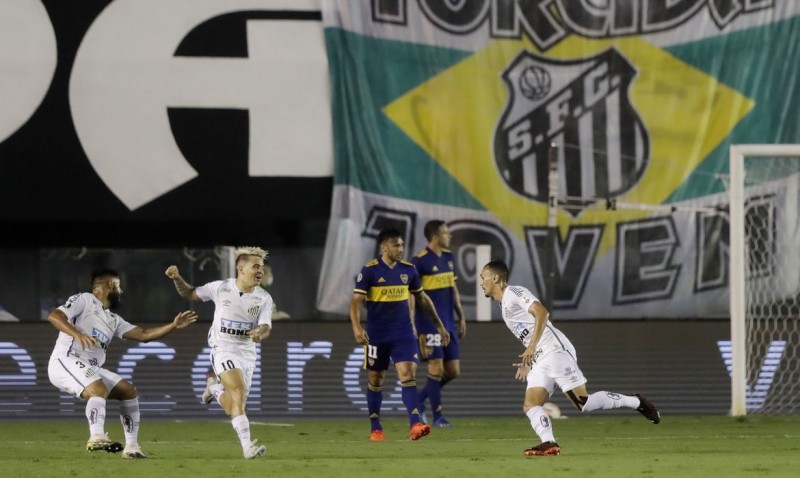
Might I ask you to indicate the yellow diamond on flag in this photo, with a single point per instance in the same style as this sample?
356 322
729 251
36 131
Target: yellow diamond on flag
455 116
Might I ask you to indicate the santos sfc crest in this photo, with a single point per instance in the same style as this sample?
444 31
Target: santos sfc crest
584 108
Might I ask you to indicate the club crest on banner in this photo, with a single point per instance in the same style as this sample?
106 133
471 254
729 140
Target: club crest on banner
583 107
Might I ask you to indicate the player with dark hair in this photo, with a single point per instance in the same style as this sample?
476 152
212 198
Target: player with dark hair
384 283
242 318
549 360
436 267
86 326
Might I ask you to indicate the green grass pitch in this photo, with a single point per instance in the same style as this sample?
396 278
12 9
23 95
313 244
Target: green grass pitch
594 446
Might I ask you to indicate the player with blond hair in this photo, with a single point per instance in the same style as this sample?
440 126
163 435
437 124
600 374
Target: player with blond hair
242 318
549 360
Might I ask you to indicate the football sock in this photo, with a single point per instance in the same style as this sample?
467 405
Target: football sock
374 400
242 426
410 400
129 415
434 390
609 401
96 414
217 390
541 424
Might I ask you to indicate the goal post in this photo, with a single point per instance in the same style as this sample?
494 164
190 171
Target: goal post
763 296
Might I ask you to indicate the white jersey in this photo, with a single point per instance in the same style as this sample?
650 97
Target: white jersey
85 312
235 314
514 306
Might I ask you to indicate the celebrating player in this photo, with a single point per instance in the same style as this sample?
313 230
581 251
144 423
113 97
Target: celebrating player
384 283
242 318
436 267
549 360
86 327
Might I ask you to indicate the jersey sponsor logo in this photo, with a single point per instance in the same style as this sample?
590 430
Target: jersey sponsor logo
226 303
438 281
404 278
593 111
234 327
388 294
102 339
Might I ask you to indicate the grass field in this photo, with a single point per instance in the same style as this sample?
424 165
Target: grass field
592 446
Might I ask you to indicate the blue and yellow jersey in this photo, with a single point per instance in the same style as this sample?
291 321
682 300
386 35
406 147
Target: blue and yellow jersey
387 290
438 276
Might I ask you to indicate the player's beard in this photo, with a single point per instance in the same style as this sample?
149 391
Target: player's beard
114 299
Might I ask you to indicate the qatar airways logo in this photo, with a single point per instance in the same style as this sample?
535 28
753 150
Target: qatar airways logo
127 74
547 22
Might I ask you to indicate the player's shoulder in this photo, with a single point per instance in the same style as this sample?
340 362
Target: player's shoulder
407 264
371 263
518 290
421 254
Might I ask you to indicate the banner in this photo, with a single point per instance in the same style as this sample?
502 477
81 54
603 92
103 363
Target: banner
138 114
449 110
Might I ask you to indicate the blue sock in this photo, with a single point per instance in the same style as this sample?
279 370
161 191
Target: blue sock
411 400
434 390
374 400
422 395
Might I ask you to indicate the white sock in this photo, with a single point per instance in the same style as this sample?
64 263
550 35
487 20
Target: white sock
217 390
541 424
242 426
96 414
129 415
609 401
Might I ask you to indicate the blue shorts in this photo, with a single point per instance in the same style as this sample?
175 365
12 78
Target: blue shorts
430 347
377 356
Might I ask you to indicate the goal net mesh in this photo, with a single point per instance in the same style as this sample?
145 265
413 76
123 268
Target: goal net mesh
772 283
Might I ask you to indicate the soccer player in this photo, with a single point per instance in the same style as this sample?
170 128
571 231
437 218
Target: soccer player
436 267
242 318
549 360
86 326
384 283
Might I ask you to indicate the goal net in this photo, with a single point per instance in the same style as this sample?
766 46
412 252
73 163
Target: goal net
763 356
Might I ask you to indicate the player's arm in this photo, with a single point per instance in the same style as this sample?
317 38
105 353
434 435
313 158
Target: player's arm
355 318
184 289
180 321
540 313
462 321
260 333
427 306
412 310
61 322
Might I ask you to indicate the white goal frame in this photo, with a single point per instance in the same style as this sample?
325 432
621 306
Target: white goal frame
737 270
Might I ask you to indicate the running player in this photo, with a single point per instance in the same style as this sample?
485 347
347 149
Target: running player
384 284
549 360
436 267
86 326
242 318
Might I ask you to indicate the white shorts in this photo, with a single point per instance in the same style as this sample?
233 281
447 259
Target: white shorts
72 375
224 360
556 369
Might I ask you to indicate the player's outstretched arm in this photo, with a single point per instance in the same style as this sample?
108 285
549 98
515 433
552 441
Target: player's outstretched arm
183 319
184 289
430 310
